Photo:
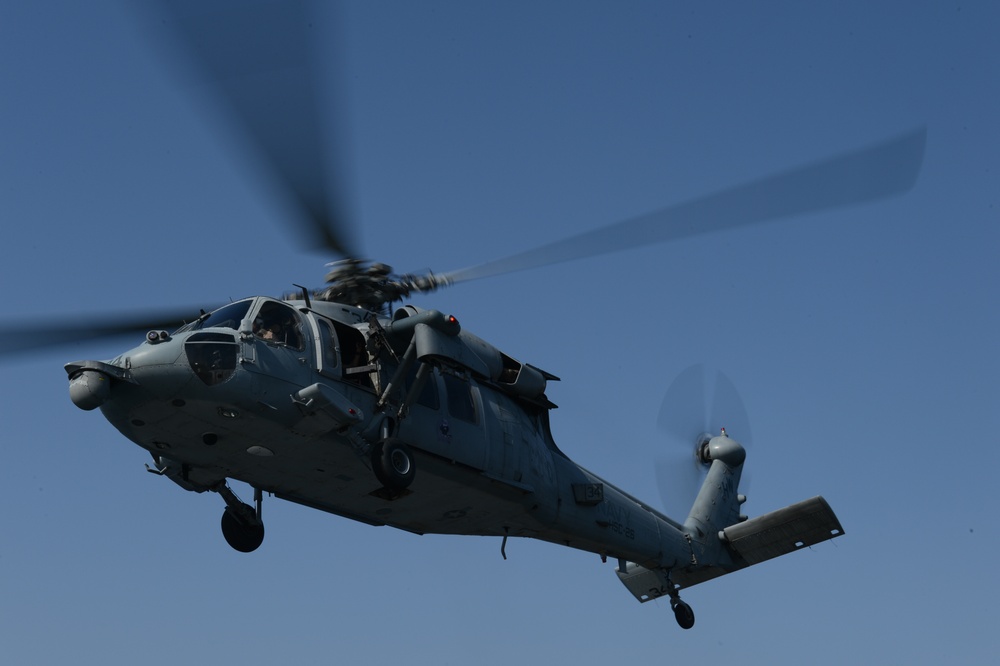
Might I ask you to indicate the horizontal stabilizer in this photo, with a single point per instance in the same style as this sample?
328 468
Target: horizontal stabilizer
751 542
783 531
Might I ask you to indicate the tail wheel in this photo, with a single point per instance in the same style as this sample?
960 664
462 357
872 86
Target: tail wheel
683 614
392 462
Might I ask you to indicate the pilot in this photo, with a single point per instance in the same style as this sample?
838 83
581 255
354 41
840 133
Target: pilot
272 332
267 330
280 330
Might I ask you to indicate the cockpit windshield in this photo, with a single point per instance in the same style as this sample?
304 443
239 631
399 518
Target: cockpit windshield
228 316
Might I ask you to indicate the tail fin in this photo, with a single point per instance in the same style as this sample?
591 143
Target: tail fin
717 505
722 540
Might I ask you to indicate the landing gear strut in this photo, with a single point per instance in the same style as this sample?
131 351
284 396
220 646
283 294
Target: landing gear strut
241 523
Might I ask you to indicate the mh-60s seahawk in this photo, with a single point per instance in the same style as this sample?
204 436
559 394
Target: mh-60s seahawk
340 400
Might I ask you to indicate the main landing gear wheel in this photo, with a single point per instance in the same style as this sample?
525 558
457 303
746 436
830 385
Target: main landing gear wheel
683 613
241 523
243 535
392 462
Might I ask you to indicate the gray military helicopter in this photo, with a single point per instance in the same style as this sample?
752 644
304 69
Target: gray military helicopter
348 400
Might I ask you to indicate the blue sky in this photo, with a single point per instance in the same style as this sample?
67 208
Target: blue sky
862 340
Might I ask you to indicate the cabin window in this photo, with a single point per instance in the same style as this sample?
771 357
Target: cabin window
328 344
279 324
460 403
354 355
353 348
344 353
429 393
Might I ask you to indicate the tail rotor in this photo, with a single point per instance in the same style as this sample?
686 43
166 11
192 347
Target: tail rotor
699 404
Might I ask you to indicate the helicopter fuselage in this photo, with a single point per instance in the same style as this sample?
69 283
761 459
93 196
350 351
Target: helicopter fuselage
411 422
291 398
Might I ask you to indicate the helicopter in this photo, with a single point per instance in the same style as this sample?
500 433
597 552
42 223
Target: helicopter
336 399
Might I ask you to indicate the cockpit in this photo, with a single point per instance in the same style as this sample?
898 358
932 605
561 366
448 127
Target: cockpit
274 322
340 349
279 324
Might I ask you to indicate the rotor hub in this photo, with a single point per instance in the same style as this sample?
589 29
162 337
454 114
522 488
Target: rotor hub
372 286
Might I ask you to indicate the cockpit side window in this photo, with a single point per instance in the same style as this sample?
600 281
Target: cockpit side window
279 324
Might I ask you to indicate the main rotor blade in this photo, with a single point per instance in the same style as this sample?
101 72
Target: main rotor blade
23 337
257 62
881 170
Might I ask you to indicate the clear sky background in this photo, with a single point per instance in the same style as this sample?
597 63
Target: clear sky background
863 340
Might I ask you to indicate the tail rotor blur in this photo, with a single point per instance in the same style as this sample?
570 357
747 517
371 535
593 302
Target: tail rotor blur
698 405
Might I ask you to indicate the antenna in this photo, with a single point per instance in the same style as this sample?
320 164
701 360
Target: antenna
305 295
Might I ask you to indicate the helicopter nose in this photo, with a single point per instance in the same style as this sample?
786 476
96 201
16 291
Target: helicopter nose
89 389
90 382
149 369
